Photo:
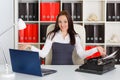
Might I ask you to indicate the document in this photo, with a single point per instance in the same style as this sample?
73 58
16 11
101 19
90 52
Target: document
111 55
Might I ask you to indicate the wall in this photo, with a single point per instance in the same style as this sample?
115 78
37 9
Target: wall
6 21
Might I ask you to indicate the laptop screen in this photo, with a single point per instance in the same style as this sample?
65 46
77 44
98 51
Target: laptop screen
27 62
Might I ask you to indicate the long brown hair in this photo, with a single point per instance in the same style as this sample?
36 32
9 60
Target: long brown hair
71 30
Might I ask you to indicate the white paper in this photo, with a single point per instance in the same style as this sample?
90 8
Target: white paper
111 55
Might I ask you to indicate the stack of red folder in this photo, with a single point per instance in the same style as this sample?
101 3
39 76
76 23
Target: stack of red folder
49 11
29 34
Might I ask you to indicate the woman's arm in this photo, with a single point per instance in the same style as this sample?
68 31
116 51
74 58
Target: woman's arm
83 54
43 53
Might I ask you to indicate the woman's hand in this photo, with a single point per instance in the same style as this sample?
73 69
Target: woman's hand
24 46
102 51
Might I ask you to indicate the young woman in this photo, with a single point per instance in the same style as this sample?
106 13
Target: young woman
63 39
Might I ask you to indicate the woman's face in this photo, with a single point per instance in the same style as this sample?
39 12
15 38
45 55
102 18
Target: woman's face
63 23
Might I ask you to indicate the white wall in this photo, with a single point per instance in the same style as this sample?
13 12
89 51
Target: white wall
6 21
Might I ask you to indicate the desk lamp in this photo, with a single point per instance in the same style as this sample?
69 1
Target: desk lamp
7 73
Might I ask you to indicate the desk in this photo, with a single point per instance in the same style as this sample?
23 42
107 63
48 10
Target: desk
67 72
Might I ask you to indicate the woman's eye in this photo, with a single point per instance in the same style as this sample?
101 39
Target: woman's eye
65 21
59 22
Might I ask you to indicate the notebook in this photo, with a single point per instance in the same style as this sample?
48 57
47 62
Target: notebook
27 62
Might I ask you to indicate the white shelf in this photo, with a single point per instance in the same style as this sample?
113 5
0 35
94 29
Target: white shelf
97 7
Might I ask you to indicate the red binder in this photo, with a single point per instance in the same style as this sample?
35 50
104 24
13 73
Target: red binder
26 33
49 11
57 10
44 11
21 35
35 33
29 32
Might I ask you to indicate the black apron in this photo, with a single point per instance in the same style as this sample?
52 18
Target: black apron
62 54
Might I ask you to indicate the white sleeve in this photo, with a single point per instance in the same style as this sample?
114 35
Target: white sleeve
47 46
81 52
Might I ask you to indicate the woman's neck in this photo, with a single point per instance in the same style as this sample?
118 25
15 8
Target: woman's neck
64 34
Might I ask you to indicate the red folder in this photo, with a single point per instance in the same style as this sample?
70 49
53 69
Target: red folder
97 54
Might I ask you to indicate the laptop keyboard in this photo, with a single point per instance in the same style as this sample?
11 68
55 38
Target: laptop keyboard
47 71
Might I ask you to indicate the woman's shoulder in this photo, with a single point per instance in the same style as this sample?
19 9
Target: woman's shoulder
77 36
50 34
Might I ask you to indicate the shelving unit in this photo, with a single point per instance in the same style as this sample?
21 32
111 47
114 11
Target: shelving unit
95 13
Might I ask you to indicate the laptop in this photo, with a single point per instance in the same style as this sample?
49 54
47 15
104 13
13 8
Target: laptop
28 62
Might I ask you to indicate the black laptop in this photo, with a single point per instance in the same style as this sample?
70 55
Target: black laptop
27 62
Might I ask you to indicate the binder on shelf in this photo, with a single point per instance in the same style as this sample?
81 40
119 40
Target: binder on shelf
89 33
77 16
110 49
35 33
49 11
57 10
67 7
31 9
54 10
101 34
21 35
52 16
30 34
44 11
43 29
33 12
110 12
118 11
23 11
96 34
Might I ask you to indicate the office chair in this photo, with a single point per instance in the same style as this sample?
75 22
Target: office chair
76 59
